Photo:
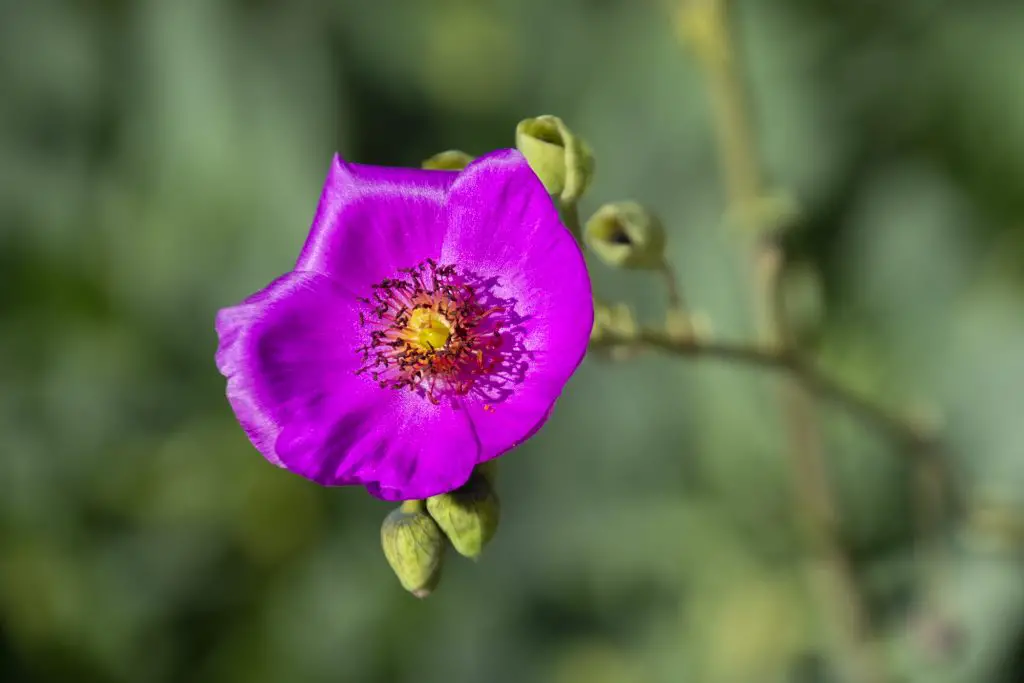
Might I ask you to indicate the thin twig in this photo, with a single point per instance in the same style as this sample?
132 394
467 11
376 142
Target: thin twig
678 321
710 32
896 427
672 289
909 437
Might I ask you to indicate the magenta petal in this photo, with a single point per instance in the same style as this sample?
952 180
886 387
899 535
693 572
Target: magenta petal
502 224
372 220
406 449
415 450
289 355
283 351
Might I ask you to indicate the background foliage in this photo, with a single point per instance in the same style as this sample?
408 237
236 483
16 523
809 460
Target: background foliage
159 160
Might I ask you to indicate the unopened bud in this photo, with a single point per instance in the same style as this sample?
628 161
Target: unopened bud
414 547
626 235
562 161
450 160
468 515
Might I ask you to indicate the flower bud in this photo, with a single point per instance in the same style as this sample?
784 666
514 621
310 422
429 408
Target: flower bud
450 160
468 516
414 547
562 161
626 235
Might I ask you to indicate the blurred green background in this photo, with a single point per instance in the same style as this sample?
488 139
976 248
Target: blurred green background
160 159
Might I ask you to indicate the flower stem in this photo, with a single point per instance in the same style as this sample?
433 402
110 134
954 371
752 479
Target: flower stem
411 507
672 289
571 218
678 321
707 24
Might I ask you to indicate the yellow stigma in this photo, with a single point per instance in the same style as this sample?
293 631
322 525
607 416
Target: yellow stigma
428 329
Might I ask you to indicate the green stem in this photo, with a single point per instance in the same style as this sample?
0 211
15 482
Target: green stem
742 174
672 288
411 507
571 217
905 432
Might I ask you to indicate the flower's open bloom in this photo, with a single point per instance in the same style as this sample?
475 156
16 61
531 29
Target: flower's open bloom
429 325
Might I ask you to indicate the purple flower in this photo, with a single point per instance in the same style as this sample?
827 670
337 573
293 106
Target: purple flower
429 325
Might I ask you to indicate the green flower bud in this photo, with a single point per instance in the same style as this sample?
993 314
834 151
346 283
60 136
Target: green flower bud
414 547
626 235
450 160
562 161
468 516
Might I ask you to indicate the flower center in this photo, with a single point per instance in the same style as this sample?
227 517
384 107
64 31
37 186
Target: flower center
428 329
432 330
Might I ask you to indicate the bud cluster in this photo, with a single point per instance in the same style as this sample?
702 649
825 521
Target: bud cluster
416 536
